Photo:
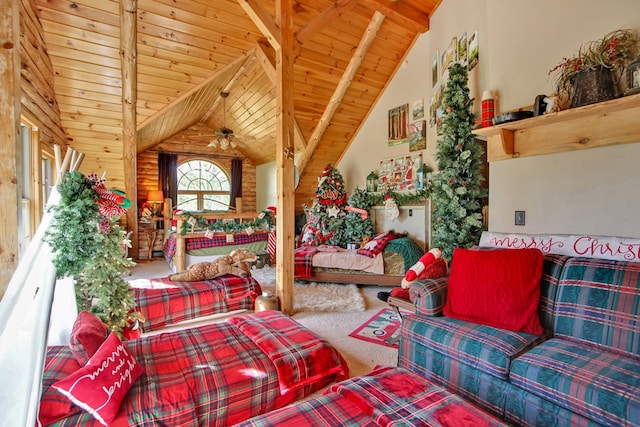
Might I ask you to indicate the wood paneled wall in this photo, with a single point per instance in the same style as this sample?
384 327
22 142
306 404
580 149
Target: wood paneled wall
38 99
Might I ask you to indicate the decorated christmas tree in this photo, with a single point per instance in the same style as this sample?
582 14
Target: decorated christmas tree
457 192
325 217
87 243
357 223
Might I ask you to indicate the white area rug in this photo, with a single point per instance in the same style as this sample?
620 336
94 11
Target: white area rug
307 297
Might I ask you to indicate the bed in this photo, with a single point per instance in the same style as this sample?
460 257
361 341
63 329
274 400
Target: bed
215 375
197 244
165 303
387 396
386 268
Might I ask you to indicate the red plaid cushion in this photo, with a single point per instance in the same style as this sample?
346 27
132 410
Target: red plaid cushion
87 335
102 383
377 244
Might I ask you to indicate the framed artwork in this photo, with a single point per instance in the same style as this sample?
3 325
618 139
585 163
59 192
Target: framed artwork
399 125
450 54
418 135
399 173
473 51
462 49
417 110
434 69
633 78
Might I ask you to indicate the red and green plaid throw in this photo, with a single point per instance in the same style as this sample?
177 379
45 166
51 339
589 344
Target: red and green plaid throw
302 258
202 242
190 300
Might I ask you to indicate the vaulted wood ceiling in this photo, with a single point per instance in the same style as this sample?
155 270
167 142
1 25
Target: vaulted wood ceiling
189 51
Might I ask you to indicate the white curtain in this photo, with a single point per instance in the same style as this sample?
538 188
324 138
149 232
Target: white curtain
25 311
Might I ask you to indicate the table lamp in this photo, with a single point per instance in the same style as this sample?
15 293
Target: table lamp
154 197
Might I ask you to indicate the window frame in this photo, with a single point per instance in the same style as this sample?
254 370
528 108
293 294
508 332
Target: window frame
200 194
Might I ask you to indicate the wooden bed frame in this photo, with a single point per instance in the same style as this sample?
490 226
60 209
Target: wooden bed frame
180 257
356 278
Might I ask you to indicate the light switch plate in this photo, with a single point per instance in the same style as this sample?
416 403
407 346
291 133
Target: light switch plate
519 218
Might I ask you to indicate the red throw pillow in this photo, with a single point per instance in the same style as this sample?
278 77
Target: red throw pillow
498 288
377 244
87 335
100 385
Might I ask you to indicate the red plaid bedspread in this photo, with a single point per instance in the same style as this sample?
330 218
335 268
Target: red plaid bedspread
202 242
305 357
385 397
302 261
190 300
213 375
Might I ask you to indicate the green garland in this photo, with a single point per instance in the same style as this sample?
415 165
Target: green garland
403 198
265 222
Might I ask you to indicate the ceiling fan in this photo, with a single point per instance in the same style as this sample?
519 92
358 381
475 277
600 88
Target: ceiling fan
224 137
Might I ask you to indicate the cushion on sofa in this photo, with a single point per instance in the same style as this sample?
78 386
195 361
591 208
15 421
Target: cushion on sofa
482 347
499 288
597 304
598 385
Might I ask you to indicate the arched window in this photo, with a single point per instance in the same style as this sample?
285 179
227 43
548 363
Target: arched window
203 185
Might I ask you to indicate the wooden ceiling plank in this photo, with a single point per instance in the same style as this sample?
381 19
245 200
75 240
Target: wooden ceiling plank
323 19
263 21
399 11
367 38
265 59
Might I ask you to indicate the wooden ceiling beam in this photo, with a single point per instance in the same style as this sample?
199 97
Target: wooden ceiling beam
285 220
266 58
345 81
399 11
129 60
263 21
323 19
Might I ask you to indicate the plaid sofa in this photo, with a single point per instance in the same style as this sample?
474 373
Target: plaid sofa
585 370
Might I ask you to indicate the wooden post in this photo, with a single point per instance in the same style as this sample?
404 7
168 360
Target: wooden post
9 137
285 219
181 248
128 59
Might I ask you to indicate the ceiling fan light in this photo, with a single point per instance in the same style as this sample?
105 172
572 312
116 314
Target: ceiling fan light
213 143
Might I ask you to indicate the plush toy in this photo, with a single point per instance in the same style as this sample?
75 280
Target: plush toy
236 263
430 265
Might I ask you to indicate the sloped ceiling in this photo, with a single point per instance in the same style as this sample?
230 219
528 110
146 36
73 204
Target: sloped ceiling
189 51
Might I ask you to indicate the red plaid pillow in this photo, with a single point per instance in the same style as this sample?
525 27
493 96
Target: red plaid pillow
377 244
100 385
87 335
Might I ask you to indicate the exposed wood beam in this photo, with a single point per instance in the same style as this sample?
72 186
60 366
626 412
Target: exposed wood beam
268 61
324 18
345 81
267 26
9 135
285 220
398 10
129 60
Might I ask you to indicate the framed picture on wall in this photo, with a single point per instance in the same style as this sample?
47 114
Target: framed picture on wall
417 110
434 69
462 49
399 125
418 135
473 51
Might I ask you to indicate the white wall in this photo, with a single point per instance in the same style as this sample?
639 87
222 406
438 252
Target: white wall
591 191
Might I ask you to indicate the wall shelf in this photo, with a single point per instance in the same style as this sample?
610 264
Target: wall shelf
597 125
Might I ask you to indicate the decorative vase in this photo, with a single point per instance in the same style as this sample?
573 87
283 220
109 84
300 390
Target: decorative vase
593 85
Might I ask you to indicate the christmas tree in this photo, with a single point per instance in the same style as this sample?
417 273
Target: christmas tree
87 244
457 194
326 214
330 220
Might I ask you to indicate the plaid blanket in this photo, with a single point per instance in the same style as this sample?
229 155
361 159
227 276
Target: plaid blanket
190 300
213 375
302 261
387 396
202 242
305 358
